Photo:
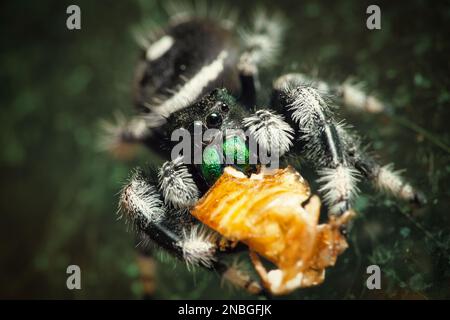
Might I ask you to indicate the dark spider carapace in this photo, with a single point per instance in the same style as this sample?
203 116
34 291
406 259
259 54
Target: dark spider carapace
200 71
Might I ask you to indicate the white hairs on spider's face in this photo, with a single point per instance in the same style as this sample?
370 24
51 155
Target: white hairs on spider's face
270 131
308 107
177 185
199 246
264 39
338 187
140 201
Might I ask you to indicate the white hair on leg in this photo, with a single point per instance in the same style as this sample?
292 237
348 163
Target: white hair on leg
263 40
355 98
176 184
112 132
199 246
289 81
140 201
352 94
390 181
120 131
338 187
308 107
238 276
292 80
181 11
270 131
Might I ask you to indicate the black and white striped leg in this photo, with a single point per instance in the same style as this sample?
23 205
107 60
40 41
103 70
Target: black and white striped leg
340 144
350 95
384 178
319 141
177 185
163 217
166 222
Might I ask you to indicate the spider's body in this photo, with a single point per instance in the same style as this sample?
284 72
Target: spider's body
199 74
198 51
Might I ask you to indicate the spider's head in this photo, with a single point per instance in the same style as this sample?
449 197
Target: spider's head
215 123
217 110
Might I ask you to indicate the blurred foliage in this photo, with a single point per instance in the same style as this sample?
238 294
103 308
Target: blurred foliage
59 194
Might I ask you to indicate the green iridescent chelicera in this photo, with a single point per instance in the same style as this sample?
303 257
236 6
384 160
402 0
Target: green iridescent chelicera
211 165
234 149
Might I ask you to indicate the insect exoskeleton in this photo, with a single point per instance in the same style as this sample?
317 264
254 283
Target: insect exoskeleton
275 214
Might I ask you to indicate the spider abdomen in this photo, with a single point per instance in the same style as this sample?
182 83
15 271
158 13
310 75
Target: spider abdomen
189 59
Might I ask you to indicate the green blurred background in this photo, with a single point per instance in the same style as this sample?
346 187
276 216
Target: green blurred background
59 194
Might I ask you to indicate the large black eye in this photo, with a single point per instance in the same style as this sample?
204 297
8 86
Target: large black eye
214 120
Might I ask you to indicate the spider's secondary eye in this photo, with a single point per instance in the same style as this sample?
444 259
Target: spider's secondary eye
224 107
214 120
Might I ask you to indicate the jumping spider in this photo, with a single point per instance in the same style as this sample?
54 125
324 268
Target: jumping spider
199 71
